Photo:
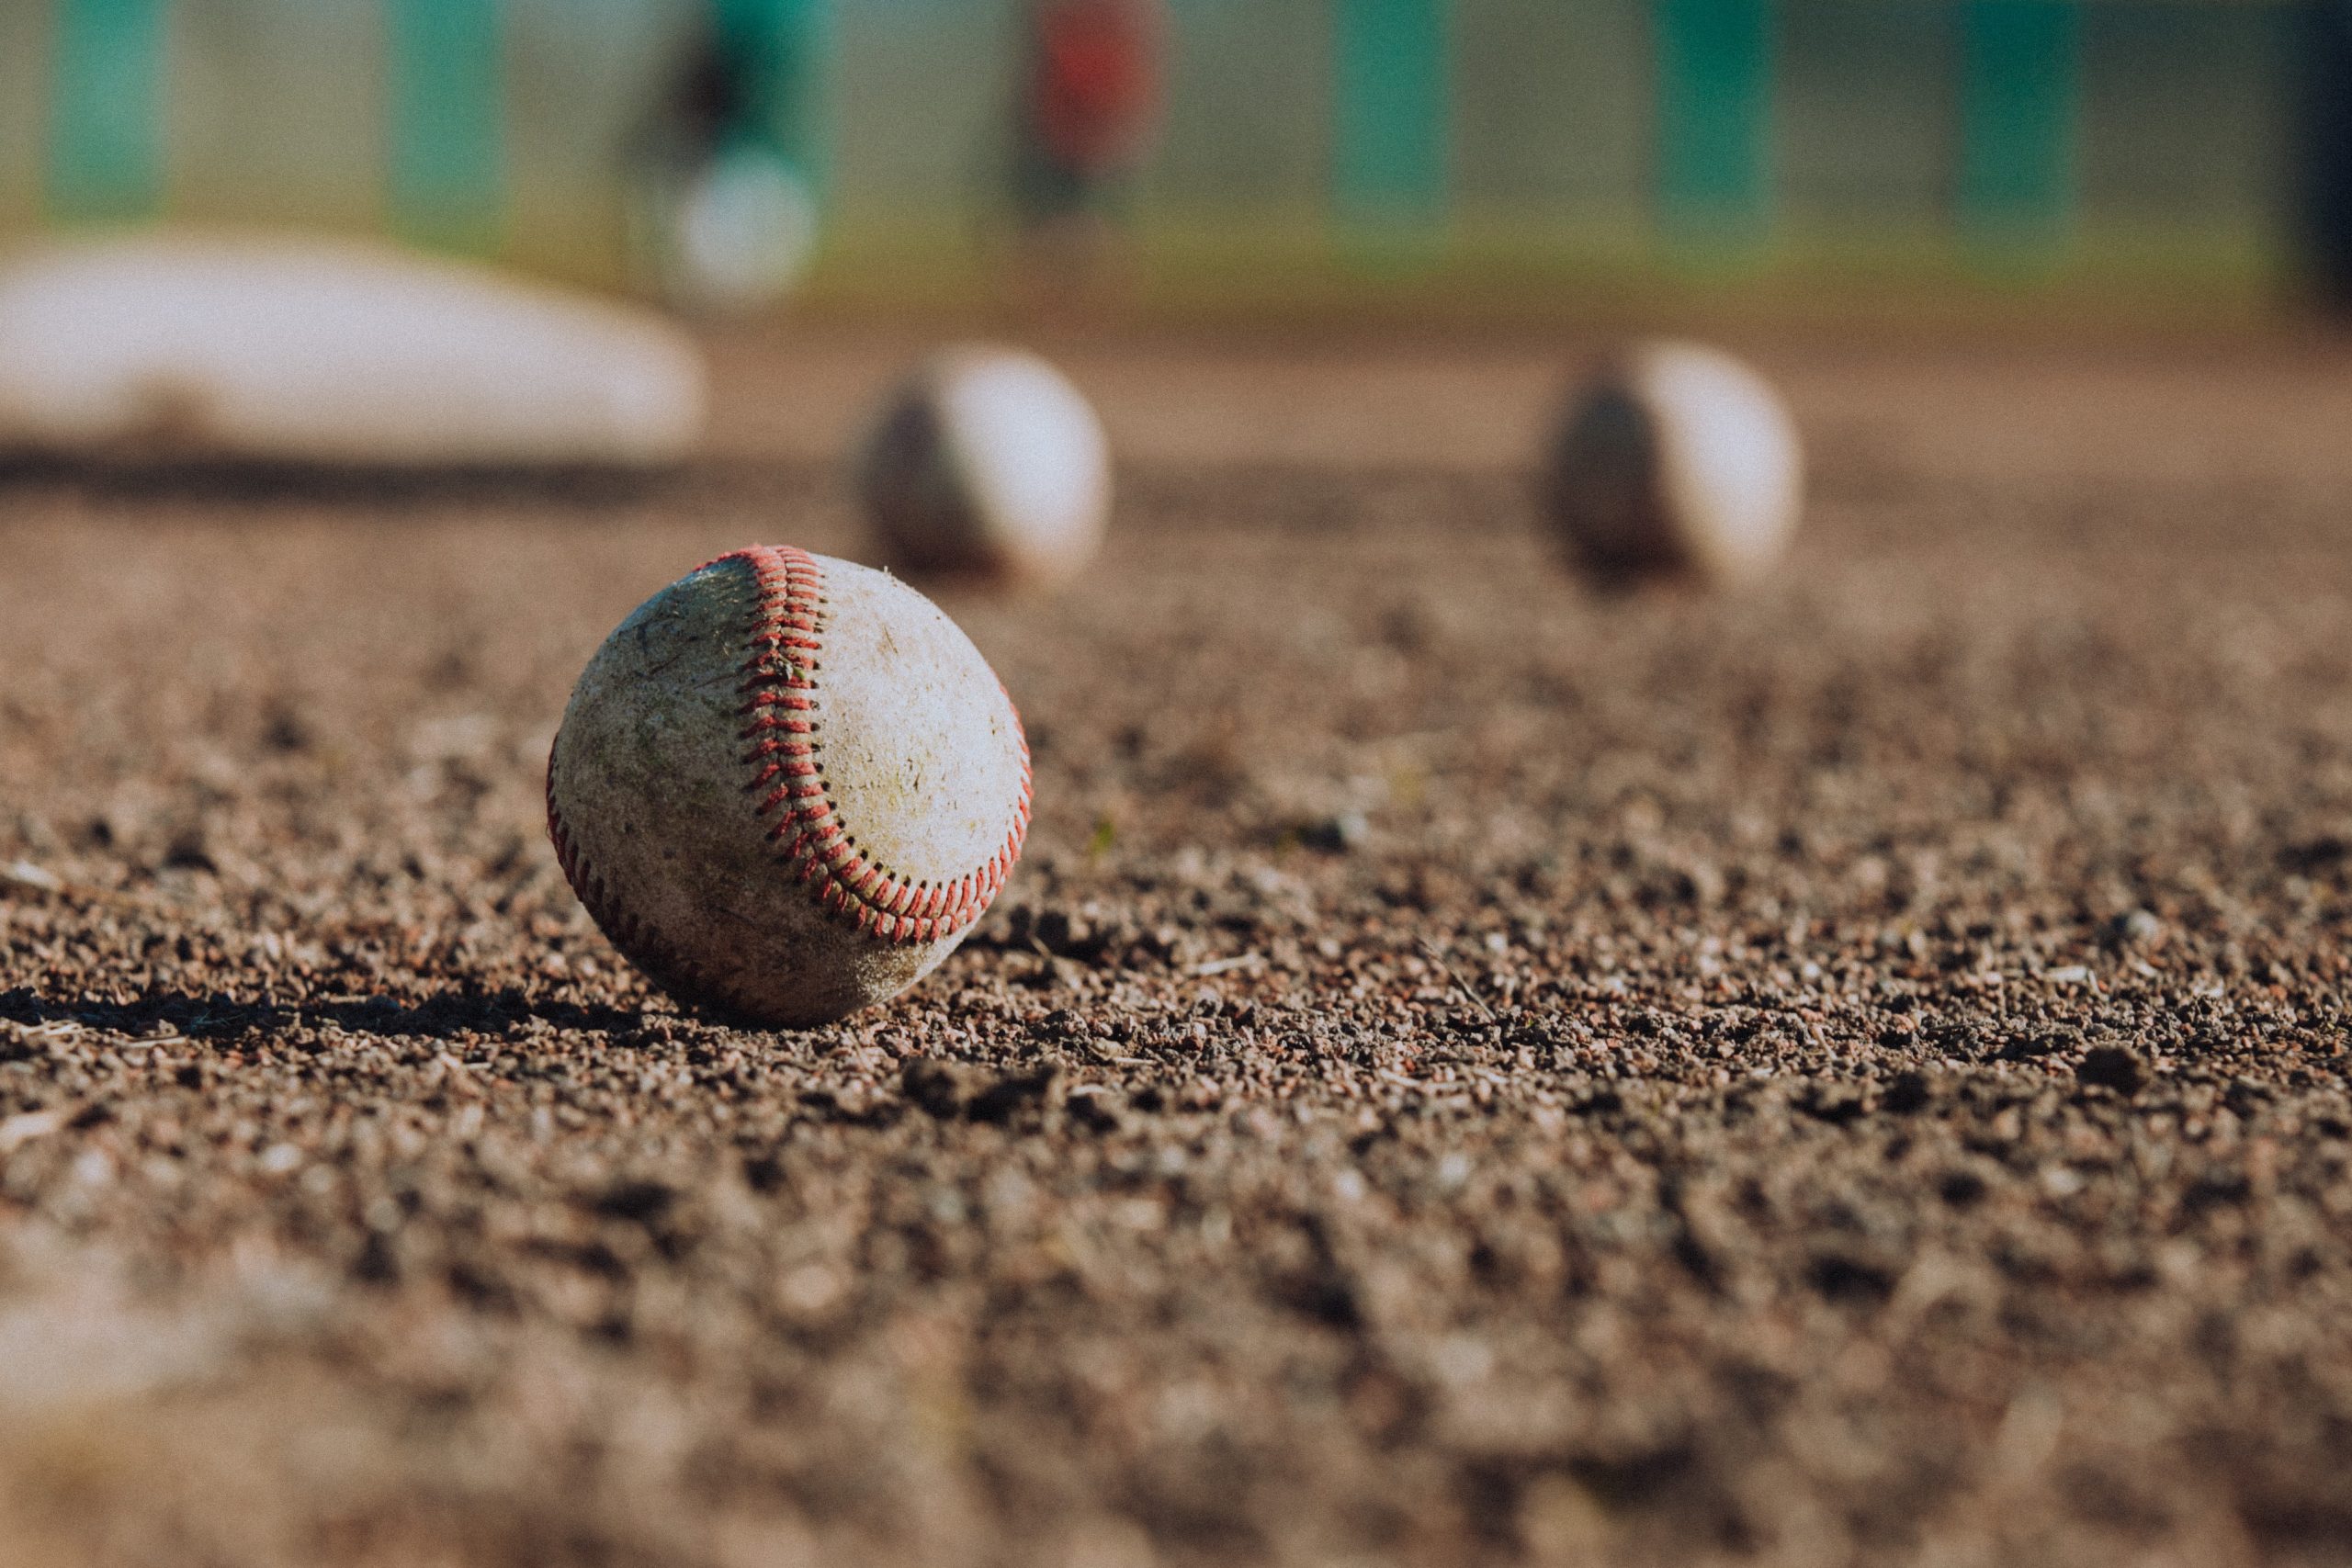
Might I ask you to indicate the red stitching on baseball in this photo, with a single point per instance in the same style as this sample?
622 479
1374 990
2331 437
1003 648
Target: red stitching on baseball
788 646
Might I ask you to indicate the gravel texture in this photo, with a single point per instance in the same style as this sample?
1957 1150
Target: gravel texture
1468 1071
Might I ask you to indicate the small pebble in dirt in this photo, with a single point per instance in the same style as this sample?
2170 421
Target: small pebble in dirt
1338 833
2112 1066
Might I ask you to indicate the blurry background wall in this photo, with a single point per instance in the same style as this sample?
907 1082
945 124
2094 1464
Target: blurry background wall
1506 153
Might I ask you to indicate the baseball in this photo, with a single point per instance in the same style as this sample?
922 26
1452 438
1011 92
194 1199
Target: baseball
326 351
786 785
741 233
986 461
1677 459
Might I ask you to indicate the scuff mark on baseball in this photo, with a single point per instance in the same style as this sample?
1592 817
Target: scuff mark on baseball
786 786
1676 460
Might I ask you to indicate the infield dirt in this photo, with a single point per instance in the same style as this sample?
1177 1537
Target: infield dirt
1467 1071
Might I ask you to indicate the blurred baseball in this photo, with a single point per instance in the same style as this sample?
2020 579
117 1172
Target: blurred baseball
333 352
786 785
741 232
986 461
1677 459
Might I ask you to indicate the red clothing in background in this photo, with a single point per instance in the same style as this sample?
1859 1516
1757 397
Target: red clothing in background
1093 100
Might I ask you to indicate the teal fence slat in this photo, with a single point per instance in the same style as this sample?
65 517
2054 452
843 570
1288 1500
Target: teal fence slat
1390 109
106 113
784 48
1715 116
2020 101
447 98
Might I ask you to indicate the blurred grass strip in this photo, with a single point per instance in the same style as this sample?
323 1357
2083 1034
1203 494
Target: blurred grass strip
1596 275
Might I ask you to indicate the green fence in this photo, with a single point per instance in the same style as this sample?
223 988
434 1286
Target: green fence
1306 140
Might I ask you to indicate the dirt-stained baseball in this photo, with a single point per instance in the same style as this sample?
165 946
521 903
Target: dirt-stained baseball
1677 459
986 461
786 785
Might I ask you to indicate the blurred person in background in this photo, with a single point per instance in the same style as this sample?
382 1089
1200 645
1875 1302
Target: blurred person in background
726 220
1086 112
